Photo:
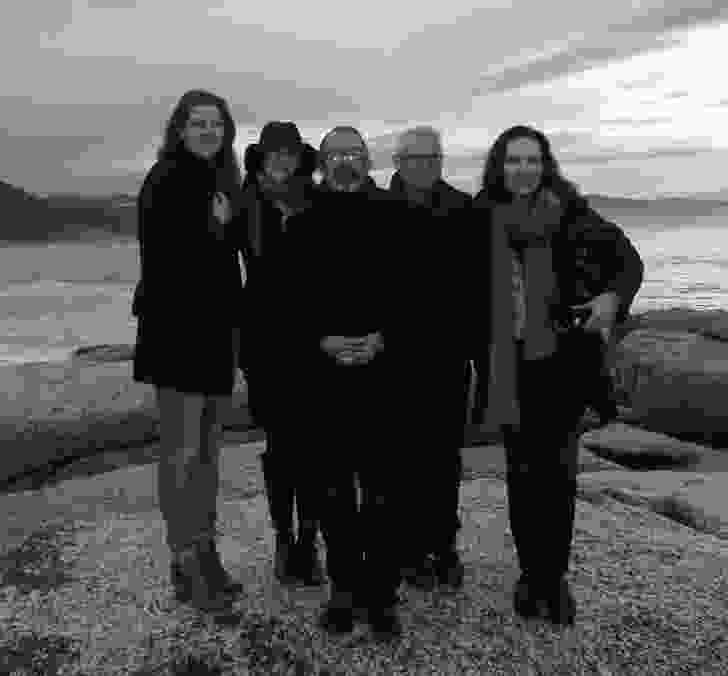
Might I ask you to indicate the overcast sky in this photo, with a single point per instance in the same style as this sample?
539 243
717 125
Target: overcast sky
633 93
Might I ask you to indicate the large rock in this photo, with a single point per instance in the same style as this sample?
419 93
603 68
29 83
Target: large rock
637 448
696 500
675 382
52 412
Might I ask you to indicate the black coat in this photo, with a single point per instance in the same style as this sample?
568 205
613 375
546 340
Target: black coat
591 256
440 317
265 356
190 290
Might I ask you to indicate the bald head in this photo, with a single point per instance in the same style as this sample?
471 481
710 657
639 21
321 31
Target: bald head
418 157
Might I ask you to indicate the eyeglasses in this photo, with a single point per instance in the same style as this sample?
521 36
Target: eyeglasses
421 159
345 155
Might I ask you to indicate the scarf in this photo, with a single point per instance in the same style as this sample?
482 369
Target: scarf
527 227
294 196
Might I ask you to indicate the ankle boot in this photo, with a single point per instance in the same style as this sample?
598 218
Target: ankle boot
561 604
449 568
385 623
284 565
338 615
191 585
215 572
307 566
526 601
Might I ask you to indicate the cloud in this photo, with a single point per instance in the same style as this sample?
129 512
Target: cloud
677 94
670 16
636 122
643 83
654 153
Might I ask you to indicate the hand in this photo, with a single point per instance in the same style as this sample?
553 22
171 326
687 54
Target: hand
344 350
221 208
604 308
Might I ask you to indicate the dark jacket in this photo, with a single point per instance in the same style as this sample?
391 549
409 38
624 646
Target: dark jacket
348 267
265 356
591 256
439 247
190 285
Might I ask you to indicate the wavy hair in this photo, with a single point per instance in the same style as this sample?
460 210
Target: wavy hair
493 178
172 146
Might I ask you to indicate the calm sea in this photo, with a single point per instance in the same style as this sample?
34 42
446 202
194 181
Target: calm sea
56 298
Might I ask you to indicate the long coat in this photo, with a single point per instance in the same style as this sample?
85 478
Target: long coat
191 287
439 263
591 256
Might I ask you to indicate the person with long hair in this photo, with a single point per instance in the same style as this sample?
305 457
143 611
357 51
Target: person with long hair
278 185
187 304
535 226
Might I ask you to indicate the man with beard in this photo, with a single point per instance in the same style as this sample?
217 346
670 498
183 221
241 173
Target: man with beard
439 377
347 308
278 184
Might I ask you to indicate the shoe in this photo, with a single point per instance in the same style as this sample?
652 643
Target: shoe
215 572
306 564
422 575
283 568
192 587
562 605
526 603
449 570
385 623
338 615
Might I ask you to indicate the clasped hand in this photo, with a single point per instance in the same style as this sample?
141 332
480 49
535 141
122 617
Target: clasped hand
346 350
603 312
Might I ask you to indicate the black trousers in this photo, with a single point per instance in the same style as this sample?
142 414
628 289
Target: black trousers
542 461
357 443
435 458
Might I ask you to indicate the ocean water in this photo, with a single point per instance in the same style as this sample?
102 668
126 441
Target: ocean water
58 297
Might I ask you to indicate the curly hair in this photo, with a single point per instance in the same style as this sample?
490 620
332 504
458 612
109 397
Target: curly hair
172 145
493 179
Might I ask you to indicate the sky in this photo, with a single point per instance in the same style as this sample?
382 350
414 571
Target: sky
632 93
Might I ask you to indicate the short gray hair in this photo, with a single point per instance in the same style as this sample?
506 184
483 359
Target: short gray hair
420 131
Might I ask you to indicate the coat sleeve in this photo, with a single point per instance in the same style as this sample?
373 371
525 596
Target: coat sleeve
168 247
622 269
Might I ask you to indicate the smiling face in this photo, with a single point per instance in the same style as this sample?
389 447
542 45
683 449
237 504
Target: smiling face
204 131
523 166
345 161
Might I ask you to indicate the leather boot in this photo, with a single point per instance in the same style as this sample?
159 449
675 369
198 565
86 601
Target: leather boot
191 585
215 572
284 565
449 568
338 616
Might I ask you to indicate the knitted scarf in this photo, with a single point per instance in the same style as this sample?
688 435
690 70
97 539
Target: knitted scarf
528 227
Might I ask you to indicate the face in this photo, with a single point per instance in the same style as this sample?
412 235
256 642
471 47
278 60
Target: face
523 166
204 131
279 165
419 161
345 163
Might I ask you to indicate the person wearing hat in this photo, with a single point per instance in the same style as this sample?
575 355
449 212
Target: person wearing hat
278 184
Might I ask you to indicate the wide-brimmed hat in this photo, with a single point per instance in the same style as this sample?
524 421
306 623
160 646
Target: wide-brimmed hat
279 136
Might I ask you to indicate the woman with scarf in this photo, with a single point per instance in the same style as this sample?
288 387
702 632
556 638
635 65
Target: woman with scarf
535 229
278 184
187 304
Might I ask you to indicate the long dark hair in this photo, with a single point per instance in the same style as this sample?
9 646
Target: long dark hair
493 179
172 147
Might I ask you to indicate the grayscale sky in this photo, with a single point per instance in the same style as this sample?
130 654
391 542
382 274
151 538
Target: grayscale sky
633 93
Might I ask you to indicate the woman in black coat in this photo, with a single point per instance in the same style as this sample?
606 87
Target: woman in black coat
278 185
187 304
543 323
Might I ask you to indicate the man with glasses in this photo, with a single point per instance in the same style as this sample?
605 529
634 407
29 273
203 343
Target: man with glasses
346 300
438 366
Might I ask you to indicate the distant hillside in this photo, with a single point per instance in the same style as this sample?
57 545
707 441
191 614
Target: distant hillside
30 218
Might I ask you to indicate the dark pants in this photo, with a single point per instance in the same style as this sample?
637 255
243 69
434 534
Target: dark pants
357 443
542 457
288 482
436 459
